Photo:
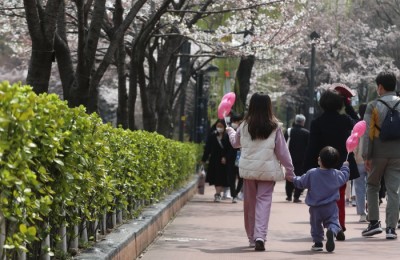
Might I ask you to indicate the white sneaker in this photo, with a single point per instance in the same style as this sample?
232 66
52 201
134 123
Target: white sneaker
363 218
240 196
234 200
217 197
227 195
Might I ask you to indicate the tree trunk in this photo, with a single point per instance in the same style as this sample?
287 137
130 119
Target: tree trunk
168 98
242 83
42 26
138 76
87 47
63 55
122 110
133 78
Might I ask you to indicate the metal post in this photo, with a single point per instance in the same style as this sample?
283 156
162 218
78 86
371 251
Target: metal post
185 67
311 87
313 36
199 107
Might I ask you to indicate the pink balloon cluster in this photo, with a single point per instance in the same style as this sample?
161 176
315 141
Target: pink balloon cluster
226 104
356 133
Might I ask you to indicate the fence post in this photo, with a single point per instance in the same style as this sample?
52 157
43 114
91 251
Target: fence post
45 245
84 233
2 233
62 232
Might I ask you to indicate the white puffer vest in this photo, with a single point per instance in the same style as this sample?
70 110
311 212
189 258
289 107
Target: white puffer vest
257 159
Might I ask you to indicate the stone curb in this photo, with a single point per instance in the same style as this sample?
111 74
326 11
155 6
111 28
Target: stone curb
129 240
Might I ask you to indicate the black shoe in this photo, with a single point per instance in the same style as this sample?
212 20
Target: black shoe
390 233
318 246
330 243
260 245
372 229
297 200
289 198
340 236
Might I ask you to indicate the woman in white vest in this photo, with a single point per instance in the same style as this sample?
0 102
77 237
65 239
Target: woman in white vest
263 153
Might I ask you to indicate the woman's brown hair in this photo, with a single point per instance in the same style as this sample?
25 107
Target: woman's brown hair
260 119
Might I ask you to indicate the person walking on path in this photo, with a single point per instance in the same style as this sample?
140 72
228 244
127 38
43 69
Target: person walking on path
263 152
323 186
215 153
360 183
232 163
297 139
382 159
332 128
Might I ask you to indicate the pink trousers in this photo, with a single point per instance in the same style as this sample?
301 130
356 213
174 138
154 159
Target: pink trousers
257 207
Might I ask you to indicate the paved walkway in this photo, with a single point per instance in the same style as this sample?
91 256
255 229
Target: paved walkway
206 230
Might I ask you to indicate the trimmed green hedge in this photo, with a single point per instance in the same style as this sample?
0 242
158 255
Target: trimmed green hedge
61 165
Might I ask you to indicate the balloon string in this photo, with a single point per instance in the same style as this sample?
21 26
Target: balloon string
347 157
226 122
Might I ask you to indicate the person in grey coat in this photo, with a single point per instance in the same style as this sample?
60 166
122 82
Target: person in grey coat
382 159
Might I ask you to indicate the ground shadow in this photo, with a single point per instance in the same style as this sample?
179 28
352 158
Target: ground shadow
238 250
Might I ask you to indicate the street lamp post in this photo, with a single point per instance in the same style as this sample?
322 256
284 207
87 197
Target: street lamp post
185 69
314 36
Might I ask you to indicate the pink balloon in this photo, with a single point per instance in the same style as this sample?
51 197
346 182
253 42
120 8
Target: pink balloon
230 98
351 143
226 104
360 128
223 109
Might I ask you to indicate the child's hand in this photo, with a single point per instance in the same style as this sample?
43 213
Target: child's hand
346 163
289 177
228 129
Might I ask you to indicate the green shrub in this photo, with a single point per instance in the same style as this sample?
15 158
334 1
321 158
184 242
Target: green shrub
62 166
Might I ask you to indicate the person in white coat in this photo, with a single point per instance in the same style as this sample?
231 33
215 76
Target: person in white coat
263 153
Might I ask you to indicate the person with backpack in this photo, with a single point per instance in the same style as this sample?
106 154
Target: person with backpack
381 153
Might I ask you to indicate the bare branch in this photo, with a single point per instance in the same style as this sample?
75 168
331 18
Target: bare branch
227 10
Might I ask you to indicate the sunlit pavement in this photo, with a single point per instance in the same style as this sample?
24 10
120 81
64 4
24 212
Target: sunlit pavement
207 230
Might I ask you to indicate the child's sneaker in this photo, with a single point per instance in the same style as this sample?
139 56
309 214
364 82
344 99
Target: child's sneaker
260 245
340 236
252 244
330 243
318 246
390 233
372 229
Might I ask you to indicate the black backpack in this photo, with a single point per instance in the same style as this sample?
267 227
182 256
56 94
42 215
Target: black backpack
390 128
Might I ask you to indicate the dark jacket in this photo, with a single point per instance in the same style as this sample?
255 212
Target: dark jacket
213 153
297 146
330 129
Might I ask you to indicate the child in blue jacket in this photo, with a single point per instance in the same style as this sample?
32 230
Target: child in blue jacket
323 185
